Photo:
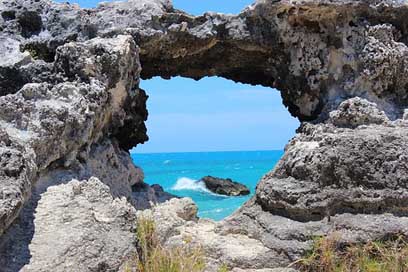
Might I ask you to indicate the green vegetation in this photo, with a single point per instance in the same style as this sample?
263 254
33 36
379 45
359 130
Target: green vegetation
153 257
328 255
223 268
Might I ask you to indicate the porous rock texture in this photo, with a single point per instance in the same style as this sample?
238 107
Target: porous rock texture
71 108
77 226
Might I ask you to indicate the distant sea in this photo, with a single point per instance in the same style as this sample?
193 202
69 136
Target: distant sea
179 173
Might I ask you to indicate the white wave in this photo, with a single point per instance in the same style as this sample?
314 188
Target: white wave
167 162
219 210
189 184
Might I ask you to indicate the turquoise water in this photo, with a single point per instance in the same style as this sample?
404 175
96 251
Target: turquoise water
178 174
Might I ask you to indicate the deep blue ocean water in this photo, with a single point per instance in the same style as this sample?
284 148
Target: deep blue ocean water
179 173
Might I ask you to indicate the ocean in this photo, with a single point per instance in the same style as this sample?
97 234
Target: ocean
179 174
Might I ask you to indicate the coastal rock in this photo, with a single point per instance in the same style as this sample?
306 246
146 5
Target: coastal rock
225 186
71 108
170 215
328 170
355 112
177 222
290 240
46 126
77 226
67 125
146 196
253 239
316 53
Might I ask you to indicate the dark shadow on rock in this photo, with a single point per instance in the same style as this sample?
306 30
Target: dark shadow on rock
145 196
14 243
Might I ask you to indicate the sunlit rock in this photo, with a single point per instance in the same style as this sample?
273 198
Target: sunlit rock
71 108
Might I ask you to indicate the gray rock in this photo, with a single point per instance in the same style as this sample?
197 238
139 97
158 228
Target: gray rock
51 134
328 170
290 240
47 126
70 108
355 112
225 186
177 222
146 196
317 53
77 226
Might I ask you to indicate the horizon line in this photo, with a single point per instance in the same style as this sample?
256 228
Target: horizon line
213 151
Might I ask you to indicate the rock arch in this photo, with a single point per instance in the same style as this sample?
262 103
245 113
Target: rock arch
71 106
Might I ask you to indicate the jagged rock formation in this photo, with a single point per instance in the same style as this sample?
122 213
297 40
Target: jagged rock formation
145 196
63 129
70 108
178 225
225 186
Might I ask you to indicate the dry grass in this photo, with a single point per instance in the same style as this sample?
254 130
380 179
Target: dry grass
153 257
328 255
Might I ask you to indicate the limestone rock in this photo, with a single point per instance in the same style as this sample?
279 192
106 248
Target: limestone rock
71 108
16 172
355 112
48 126
289 240
77 226
317 53
177 222
225 186
170 215
328 170
60 121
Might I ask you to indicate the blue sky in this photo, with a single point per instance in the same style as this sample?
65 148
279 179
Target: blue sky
212 114
192 6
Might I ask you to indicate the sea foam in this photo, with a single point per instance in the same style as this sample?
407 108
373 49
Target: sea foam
185 183
167 162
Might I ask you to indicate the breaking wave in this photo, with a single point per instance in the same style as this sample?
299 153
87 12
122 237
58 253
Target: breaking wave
189 184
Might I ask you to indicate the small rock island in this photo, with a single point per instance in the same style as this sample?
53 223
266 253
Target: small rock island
225 186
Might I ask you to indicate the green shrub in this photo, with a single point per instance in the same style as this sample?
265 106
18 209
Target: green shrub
328 255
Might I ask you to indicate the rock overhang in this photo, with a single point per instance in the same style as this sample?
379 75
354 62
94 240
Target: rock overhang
339 64
307 50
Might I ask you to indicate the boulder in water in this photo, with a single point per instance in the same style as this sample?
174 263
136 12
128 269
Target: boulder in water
225 186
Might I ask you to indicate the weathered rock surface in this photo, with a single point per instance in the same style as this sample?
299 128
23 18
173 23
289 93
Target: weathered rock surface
48 125
328 169
290 239
66 126
345 176
177 222
317 53
77 226
70 108
225 186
